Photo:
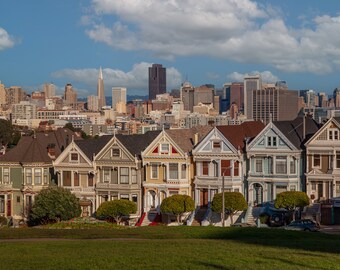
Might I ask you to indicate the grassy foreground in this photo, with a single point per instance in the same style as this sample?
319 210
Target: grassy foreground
168 248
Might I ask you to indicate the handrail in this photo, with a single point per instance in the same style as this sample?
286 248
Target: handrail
191 217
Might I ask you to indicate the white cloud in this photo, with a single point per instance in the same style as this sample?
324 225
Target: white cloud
267 76
135 79
239 30
6 41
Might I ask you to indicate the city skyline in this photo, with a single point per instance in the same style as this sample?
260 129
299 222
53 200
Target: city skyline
67 41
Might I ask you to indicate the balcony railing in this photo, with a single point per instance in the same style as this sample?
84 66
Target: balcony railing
80 189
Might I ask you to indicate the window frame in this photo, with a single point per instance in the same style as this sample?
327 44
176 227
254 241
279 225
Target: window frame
154 174
125 175
37 176
319 162
28 172
114 155
173 171
258 164
72 159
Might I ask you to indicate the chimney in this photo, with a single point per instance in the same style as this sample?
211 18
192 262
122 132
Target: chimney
196 138
51 150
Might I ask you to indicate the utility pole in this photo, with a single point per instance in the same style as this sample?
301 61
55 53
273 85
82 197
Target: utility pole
223 206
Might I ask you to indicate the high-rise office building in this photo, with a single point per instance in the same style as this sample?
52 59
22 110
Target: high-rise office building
157 80
119 99
274 104
100 90
237 95
49 90
251 82
187 96
92 103
70 96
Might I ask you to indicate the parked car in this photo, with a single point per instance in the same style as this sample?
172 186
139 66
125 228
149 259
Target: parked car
303 225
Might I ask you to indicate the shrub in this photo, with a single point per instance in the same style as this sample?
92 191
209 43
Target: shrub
233 202
177 205
53 205
264 218
292 200
116 209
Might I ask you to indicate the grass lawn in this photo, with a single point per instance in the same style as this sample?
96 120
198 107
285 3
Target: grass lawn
168 248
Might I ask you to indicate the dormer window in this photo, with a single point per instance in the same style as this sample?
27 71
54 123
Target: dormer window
333 134
216 145
115 152
74 157
271 141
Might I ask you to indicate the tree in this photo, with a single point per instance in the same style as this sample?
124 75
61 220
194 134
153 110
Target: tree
53 205
292 201
233 202
116 209
69 126
7 133
177 205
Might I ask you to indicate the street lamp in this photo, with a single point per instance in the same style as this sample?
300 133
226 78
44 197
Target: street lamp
223 199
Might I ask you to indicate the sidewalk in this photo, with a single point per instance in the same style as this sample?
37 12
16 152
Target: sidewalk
331 229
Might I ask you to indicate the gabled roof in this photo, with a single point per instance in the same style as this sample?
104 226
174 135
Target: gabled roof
185 138
92 147
136 143
33 149
238 134
293 130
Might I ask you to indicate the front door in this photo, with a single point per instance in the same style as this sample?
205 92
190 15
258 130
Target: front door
258 194
320 190
204 197
9 208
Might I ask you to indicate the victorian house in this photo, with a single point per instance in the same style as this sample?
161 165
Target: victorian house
27 169
119 170
276 159
219 159
169 166
323 162
76 171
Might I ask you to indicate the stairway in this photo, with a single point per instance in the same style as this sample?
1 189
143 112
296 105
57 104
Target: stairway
149 218
311 212
199 216
250 216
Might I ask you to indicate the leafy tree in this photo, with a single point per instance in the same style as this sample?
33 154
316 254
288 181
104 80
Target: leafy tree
116 209
292 201
53 205
177 205
7 133
69 126
233 202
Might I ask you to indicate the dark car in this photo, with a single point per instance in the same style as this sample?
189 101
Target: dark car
303 225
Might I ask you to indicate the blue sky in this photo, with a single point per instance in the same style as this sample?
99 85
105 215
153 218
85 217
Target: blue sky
206 41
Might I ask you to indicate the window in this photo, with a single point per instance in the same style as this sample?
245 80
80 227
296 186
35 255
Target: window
135 198
90 180
183 171
281 164
37 176
216 145
338 160
236 168
18 199
76 179
173 170
270 165
6 175
205 168
225 167
66 178
337 187
292 166
258 165
313 186
165 148
280 189
2 204
45 176
124 175
106 175
124 197
154 171
74 157
29 176
316 160
271 141
133 176
333 134
115 153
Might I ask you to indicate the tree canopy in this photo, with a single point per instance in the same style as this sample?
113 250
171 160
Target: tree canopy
7 133
291 200
233 202
54 204
177 205
116 209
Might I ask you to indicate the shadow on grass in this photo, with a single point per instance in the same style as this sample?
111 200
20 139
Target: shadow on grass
306 241
213 266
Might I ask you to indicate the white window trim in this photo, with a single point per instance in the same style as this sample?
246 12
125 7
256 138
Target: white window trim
151 170
70 157
106 169
255 165
320 166
120 152
165 151
26 172
9 175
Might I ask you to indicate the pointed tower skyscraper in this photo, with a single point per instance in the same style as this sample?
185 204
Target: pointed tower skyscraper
100 90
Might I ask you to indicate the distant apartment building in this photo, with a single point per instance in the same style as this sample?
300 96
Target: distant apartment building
92 103
119 98
24 110
187 96
70 96
14 95
2 95
49 90
162 102
157 80
38 98
54 103
251 83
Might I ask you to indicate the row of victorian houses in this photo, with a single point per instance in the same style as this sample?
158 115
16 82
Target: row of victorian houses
257 160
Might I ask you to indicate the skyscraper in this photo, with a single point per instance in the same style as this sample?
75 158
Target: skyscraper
118 96
100 90
251 82
157 80
70 96
49 90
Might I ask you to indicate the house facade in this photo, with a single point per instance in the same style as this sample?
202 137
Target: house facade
168 164
219 158
323 162
276 160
